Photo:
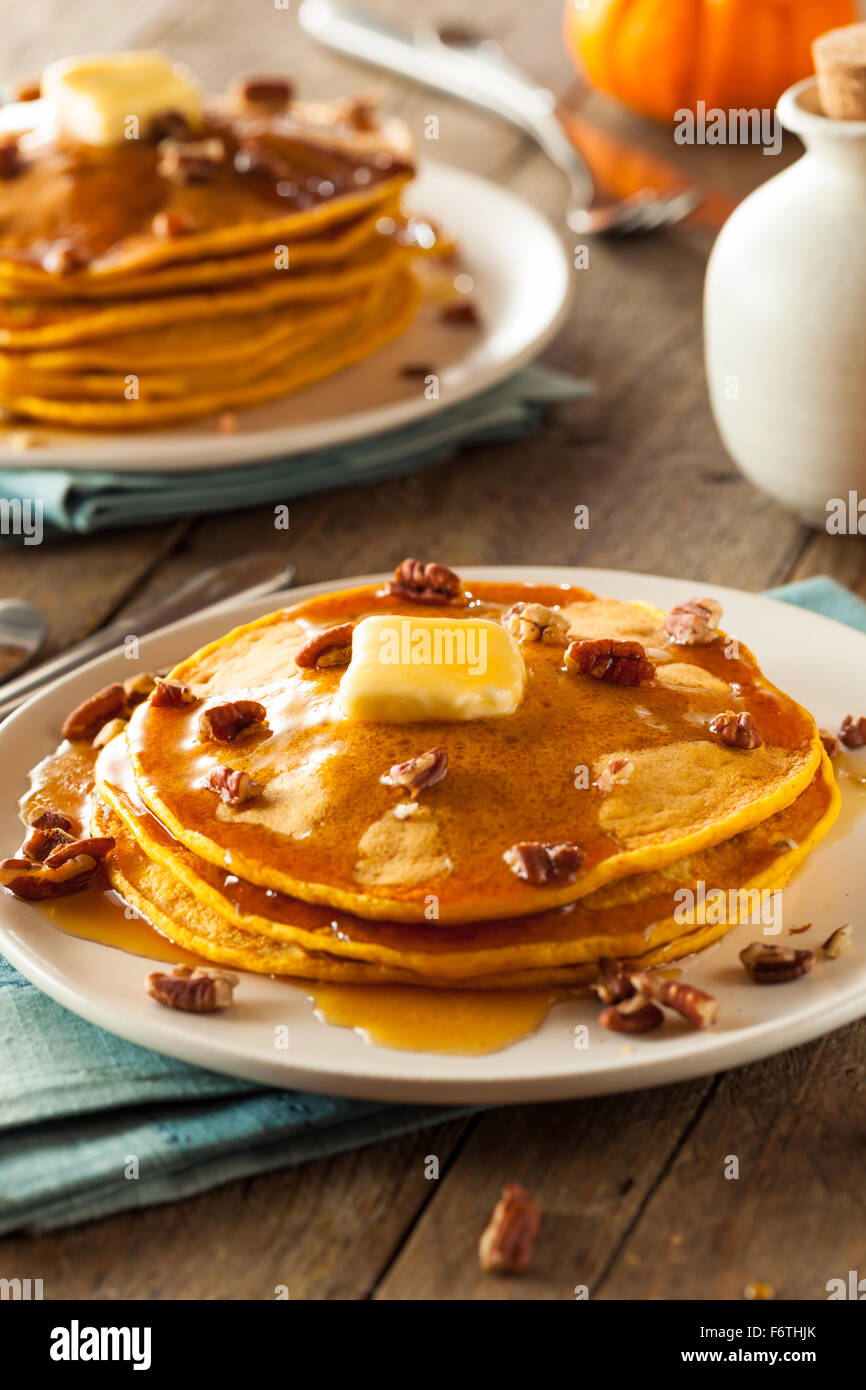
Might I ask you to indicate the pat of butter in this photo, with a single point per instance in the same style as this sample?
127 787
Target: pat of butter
404 670
107 98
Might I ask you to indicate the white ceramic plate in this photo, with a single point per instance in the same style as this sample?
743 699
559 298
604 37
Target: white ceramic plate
522 286
820 662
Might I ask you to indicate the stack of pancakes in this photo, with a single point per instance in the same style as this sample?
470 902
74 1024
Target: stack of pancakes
199 268
333 871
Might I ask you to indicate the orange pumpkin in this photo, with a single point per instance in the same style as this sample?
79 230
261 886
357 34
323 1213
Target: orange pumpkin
659 56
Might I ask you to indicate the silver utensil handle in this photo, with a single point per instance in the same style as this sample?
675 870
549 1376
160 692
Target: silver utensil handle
203 591
475 74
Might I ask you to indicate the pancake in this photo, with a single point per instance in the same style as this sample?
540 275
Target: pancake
624 919
175 912
386 317
135 261
324 829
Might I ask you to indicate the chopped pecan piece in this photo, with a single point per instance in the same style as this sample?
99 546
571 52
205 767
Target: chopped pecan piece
616 772
10 158
636 1014
63 258
29 89
360 112
170 125
233 720
417 774
332 647
40 843
830 742
139 686
539 864
232 787
109 731
774 965
507 1243
609 659
196 991
88 718
694 1004
736 730
853 731
70 867
424 583
168 225
839 941
171 694
694 624
532 622
195 161
613 984
463 313
50 820
271 93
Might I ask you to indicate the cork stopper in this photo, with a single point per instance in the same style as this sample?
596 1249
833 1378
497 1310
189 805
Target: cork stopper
840 62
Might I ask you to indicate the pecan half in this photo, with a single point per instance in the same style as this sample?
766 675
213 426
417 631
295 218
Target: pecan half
736 730
87 719
853 731
693 624
272 93
171 694
331 647
616 772
613 984
694 1004
417 774
636 1014
839 941
533 622
93 847
774 965
233 720
539 863
139 686
194 161
195 991
608 659
231 786
830 742
507 1243
425 583
360 113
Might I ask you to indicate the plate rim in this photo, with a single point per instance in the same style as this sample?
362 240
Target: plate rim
707 1053
226 451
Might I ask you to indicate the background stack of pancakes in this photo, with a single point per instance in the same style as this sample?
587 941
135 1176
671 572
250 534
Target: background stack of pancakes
329 870
203 266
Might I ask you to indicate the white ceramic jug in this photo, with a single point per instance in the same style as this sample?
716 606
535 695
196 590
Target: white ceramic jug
785 319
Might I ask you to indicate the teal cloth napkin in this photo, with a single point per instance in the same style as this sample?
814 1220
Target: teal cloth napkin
81 501
78 1105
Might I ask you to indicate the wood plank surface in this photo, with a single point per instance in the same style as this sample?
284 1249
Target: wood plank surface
635 1201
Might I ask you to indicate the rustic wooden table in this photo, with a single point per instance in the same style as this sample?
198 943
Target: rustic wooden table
632 1188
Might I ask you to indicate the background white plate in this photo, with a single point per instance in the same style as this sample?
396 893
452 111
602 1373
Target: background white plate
820 662
522 289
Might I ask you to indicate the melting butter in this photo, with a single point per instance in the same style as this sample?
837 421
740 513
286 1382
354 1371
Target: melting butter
408 669
106 98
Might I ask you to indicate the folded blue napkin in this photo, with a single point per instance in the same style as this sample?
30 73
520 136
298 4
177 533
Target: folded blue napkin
76 1103
84 501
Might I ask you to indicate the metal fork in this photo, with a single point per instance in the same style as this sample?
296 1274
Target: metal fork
476 71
